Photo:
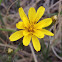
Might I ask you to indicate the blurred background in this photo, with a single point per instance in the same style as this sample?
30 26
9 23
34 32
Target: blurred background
51 47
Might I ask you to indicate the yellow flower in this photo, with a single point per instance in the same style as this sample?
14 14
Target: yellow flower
31 28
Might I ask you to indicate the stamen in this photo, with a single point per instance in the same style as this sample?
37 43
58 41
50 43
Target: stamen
31 28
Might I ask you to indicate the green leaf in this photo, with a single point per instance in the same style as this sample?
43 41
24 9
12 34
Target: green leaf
52 14
0 2
45 51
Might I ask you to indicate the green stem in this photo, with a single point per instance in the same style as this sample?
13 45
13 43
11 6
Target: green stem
7 30
1 19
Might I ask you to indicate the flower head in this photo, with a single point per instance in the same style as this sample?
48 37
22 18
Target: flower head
31 28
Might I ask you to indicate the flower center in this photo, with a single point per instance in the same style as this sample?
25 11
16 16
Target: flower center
31 28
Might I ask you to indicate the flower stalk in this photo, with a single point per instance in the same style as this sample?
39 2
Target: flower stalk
33 53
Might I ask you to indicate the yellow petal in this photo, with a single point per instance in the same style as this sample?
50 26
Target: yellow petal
43 23
31 14
26 40
46 32
36 43
39 33
23 16
17 35
22 13
25 32
20 25
39 13
26 22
